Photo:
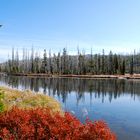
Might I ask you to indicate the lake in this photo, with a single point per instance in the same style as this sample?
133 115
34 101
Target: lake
113 100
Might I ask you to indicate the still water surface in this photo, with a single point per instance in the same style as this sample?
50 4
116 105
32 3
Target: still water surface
115 101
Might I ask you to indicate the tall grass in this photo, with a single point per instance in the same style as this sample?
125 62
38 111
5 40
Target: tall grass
26 100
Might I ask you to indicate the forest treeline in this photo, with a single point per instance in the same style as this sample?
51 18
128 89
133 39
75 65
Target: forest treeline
63 63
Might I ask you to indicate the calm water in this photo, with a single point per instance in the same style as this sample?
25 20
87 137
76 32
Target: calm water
115 101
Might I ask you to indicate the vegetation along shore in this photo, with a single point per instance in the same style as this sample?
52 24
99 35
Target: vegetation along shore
43 75
27 115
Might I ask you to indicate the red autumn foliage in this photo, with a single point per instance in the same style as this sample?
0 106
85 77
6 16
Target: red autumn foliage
40 124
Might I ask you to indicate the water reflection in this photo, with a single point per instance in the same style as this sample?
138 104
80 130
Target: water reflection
62 87
115 101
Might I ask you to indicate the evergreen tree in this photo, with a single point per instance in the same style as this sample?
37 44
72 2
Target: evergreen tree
103 62
32 61
132 65
64 62
44 63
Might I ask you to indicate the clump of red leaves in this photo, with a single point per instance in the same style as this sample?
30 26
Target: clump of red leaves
40 124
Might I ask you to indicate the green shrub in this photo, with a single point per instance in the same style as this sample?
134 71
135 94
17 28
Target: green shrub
1 100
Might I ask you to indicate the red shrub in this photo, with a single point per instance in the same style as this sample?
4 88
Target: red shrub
40 124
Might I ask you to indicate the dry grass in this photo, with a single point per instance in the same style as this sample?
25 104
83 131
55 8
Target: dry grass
27 100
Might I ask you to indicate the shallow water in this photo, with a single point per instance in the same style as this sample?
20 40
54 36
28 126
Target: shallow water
115 101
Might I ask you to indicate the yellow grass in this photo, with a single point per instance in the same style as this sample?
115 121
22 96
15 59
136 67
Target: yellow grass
27 99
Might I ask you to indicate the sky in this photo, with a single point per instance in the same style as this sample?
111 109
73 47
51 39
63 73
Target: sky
84 24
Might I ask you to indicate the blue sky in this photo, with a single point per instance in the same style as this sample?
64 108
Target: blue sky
55 24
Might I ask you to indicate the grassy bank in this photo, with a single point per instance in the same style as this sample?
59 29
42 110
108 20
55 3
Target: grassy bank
26 100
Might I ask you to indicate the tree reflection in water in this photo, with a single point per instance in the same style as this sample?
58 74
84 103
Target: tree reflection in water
61 87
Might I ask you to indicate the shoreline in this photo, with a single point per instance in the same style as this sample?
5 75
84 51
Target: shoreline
42 75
